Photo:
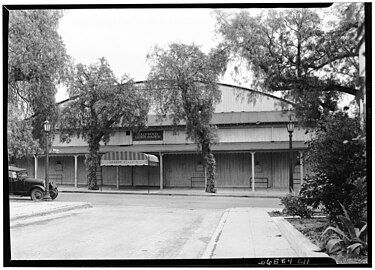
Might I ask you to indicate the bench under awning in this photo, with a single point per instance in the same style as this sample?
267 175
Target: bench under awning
125 158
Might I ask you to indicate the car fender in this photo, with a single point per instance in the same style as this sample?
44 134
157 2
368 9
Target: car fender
36 186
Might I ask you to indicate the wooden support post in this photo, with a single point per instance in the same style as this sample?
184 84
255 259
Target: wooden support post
132 176
148 178
76 171
36 166
253 171
161 170
117 178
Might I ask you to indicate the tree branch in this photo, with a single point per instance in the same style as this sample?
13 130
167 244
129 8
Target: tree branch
56 104
332 59
328 87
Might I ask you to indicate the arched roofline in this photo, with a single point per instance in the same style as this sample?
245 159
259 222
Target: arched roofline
258 92
244 89
222 84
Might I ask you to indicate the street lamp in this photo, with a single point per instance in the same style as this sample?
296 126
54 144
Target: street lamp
47 129
290 128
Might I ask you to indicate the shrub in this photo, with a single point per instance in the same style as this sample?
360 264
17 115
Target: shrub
350 240
336 158
295 206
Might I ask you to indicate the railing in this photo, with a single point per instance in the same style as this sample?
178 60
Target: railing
194 179
260 180
57 178
297 181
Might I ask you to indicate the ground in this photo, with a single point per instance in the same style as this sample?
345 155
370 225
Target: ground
128 227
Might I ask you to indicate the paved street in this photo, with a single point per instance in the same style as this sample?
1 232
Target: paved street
128 226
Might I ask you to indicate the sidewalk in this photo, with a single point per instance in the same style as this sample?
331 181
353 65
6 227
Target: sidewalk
26 209
221 192
252 233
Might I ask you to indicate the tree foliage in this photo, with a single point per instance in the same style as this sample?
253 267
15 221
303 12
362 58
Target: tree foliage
20 141
101 103
336 157
296 52
185 82
37 62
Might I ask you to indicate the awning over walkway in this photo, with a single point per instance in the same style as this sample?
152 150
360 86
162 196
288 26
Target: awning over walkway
125 158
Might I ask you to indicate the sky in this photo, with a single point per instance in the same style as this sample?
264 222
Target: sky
125 36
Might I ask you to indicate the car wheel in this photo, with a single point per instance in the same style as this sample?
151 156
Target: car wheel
53 193
37 194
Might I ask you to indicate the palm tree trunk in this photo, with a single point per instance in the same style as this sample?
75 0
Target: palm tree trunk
92 162
210 165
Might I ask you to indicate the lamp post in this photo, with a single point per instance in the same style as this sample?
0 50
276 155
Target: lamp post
47 129
290 128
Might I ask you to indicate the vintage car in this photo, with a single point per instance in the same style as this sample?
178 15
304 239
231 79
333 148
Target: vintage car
21 184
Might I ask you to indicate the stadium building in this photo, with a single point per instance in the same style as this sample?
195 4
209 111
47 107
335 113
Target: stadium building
253 142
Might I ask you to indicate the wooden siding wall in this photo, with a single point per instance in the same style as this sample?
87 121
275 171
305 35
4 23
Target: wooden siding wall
232 169
280 171
236 100
239 134
118 138
66 169
259 134
233 99
131 176
109 176
178 137
179 168
245 134
27 164
139 174
281 134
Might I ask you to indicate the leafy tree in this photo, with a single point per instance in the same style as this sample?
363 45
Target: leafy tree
336 158
185 82
20 141
37 62
101 103
292 51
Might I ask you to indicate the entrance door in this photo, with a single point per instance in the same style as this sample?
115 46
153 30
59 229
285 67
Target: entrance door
146 176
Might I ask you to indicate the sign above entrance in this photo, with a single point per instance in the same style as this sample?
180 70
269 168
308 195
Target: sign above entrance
128 159
123 162
149 135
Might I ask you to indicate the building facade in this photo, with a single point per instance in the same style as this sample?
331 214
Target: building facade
252 150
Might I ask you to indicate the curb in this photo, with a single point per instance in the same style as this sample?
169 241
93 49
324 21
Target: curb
52 211
299 243
207 254
174 194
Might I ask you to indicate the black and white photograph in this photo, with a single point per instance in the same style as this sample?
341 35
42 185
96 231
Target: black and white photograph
187 134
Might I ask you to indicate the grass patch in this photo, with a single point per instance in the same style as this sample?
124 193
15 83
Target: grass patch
313 228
